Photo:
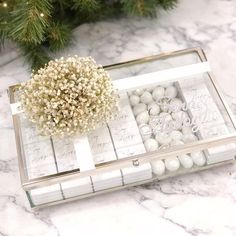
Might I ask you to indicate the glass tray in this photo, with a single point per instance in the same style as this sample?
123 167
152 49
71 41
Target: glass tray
173 120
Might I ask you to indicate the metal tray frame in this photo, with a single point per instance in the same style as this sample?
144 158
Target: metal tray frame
130 161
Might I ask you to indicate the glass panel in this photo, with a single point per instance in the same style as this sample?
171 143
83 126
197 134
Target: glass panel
141 66
152 118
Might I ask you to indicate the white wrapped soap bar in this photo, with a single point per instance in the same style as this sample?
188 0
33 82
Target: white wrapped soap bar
130 151
39 159
137 173
206 114
76 187
65 154
103 151
46 194
101 145
128 142
125 134
125 114
107 180
124 129
200 103
38 151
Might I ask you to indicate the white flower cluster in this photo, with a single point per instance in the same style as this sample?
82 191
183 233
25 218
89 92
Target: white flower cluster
69 96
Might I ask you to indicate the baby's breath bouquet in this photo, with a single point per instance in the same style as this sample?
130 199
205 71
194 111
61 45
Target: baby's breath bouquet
69 96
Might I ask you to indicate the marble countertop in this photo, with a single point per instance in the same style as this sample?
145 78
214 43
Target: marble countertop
196 204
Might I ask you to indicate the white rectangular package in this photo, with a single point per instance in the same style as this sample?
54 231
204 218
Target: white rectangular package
38 151
101 145
76 187
128 142
46 194
103 151
209 119
65 154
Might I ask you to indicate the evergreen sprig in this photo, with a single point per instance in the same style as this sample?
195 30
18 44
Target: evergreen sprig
86 5
168 4
35 54
59 35
139 7
41 26
30 20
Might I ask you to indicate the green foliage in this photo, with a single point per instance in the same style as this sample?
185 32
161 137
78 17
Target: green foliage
167 4
40 26
59 35
86 5
139 7
30 20
35 54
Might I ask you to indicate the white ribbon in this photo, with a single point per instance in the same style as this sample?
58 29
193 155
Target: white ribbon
83 154
161 76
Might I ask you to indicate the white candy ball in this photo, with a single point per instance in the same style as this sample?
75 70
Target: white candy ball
176 125
186 161
146 98
172 164
142 118
153 109
175 105
176 135
138 92
139 108
171 92
158 167
187 138
187 130
198 158
134 100
180 116
145 131
166 117
158 93
164 107
151 145
163 138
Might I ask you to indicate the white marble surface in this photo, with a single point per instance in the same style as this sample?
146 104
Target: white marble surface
196 204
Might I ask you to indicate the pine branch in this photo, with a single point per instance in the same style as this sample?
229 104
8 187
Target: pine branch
3 32
39 25
4 18
35 55
86 5
30 20
59 35
168 4
139 7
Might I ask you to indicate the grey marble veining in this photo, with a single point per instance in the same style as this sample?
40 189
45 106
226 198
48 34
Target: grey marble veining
196 204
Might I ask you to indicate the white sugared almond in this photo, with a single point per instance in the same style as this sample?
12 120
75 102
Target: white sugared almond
172 164
142 118
151 145
158 167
